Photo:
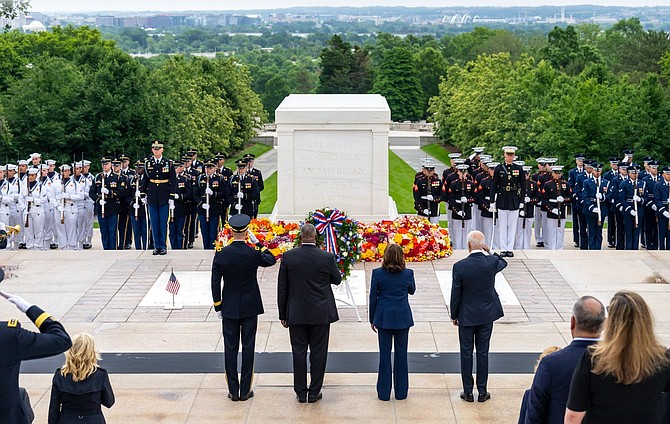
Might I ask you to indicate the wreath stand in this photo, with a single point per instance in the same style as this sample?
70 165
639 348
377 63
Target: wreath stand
351 302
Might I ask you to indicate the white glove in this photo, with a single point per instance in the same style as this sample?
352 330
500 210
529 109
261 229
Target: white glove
461 214
492 208
137 193
560 199
136 205
554 211
59 196
430 197
209 191
596 210
521 205
218 315
252 237
426 212
240 195
20 302
464 199
37 202
633 213
103 202
238 207
599 196
104 190
29 199
65 196
60 208
526 199
666 214
205 206
522 213
15 197
636 198
171 203
176 195
144 200
654 207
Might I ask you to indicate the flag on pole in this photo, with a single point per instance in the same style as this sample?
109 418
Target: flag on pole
173 284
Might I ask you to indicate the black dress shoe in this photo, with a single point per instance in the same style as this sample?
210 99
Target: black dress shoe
233 397
53 246
162 251
314 399
539 244
510 254
156 252
483 397
189 246
503 254
610 245
86 246
247 396
22 246
468 397
576 244
127 247
301 399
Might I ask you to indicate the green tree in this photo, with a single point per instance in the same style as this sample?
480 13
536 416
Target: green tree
564 51
10 9
344 69
397 81
430 66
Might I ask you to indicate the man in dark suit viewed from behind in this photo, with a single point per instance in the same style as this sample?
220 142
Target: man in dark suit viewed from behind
307 307
551 384
474 306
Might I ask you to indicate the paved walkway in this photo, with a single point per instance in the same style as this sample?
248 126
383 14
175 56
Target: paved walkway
267 163
414 156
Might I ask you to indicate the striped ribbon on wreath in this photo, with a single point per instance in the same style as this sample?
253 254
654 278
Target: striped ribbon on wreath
326 225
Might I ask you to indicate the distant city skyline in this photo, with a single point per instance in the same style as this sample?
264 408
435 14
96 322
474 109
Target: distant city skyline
181 5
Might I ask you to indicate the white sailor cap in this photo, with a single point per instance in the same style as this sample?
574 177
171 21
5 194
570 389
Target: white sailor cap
454 155
44 166
35 155
463 167
557 168
77 164
478 149
11 167
510 149
86 162
50 162
33 170
23 162
65 167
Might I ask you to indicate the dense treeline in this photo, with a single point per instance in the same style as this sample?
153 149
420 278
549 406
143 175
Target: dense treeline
70 93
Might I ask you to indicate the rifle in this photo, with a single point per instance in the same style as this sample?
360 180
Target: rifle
668 205
239 190
560 204
137 196
62 212
523 223
102 206
27 223
207 196
598 201
635 203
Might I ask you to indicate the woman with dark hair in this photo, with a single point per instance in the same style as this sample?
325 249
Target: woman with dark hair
620 379
391 318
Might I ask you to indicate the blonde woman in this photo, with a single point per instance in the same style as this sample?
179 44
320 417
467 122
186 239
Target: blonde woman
620 379
80 387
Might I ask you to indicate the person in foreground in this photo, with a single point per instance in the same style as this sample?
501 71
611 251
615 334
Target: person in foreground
620 379
307 308
18 344
551 385
391 318
474 307
239 303
526 394
80 387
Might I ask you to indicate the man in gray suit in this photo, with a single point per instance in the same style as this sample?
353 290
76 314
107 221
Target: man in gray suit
307 307
474 306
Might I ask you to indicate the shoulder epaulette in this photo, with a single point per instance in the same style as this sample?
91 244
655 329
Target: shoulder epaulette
13 323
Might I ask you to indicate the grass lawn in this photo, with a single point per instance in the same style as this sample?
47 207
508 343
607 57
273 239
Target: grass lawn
437 151
268 195
401 179
256 149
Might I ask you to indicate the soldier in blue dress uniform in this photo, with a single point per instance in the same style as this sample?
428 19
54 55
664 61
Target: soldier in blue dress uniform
157 186
258 177
136 200
611 214
630 197
597 197
243 191
651 178
209 192
107 191
662 199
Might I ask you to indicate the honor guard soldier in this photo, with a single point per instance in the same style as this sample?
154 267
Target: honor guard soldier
87 232
427 193
209 192
137 201
157 186
35 160
18 344
619 204
5 198
662 199
631 193
125 232
125 166
239 302
473 160
524 228
508 190
541 174
68 194
611 213
650 219
48 179
243 196
462 194
35 199
572 182
191 226
447 179
12 201
225 174
597 197
105 193
258 177
195 163
179 206
484 201
555 195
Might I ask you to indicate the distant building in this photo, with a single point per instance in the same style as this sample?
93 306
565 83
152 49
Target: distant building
105 21
34 26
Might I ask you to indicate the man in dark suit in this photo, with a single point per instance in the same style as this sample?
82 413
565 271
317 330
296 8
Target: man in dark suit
307 307
18 344
474 307
239 304
551 384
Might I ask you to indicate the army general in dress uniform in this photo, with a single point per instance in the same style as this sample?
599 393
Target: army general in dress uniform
508 190
157 186
239 303
18 344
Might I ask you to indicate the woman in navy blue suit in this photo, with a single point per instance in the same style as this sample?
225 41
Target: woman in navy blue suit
391 318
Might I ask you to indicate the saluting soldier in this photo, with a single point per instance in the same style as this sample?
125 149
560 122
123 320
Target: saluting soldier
137 201
427 191
611 213
597 197
508 190
631 192
239 302
258 177
125 232
157 187
462 194
68 193
209 191
555 197
524 228
105 193
242 191
179 206
662 199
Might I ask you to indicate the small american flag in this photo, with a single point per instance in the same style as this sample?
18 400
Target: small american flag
173 284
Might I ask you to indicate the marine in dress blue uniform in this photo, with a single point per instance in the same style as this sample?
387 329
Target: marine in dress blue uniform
427 192
555 195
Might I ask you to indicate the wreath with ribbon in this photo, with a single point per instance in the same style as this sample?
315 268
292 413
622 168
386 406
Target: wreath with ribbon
338 234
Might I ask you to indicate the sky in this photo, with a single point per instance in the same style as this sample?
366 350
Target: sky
180 5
